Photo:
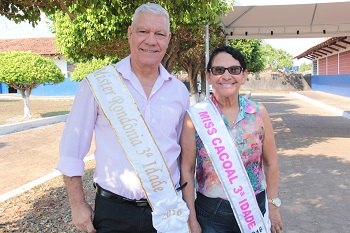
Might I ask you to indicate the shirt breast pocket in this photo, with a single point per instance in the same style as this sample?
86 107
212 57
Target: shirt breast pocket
169 119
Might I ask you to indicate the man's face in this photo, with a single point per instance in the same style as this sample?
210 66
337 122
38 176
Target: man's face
148 39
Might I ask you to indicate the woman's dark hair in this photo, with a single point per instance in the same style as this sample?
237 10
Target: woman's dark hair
235 53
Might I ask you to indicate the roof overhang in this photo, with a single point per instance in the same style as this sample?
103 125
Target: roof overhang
310 20
44 45
328 47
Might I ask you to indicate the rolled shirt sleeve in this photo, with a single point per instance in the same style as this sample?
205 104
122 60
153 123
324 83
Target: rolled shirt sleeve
78 131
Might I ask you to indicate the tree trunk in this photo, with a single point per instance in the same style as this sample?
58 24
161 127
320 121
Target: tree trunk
203 82
26 106
193 85
171 55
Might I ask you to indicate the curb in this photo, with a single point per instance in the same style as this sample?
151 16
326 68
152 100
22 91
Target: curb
34 183
16 127
337 111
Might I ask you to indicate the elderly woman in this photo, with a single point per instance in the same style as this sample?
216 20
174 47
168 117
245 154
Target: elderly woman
228 141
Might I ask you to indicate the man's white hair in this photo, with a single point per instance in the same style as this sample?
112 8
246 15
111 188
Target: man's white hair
151 8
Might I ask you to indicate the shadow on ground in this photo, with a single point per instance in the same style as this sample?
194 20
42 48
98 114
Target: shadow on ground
295 130
312 187
316 193
8 101
57 113
314 167
2 144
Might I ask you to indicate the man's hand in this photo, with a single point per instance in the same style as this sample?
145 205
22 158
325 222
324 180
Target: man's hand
195 227
82 216
82 213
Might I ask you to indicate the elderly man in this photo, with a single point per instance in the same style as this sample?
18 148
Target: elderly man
136 109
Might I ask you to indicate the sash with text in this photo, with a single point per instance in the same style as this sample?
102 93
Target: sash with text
228 166
170 213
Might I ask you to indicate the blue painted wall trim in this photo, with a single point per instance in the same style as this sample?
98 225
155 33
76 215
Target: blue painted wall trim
334 84
65 88
4 89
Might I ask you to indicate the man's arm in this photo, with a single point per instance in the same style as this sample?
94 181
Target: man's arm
82 213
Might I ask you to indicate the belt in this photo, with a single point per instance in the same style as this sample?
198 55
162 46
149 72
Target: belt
112 196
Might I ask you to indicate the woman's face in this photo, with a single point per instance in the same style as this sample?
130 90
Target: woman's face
226 84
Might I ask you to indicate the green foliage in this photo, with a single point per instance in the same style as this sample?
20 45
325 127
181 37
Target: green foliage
251 49
186 12
20 10
95 29
94 34
24 70
101 30
276 58
191 56
83 69
29 10
305 67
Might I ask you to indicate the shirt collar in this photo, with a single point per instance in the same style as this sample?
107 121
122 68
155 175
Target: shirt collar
124 67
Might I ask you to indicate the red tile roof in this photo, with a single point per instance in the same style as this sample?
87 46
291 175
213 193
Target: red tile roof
43 46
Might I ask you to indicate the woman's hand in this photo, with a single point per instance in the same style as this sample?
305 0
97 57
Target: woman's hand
275 218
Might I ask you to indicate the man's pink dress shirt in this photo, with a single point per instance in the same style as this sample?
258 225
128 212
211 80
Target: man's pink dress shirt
163 111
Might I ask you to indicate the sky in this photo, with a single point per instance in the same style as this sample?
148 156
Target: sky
11 30
295 46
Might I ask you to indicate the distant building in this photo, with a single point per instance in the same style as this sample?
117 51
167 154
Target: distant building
47 48
331 65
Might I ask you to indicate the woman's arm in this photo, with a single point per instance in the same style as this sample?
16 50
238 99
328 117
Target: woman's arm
270 161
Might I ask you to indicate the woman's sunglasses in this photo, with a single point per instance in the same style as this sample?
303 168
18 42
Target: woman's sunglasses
219 70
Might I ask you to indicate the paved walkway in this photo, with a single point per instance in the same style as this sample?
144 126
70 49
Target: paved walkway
313 144
314 149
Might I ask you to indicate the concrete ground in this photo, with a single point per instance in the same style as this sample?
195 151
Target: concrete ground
314 155
314 150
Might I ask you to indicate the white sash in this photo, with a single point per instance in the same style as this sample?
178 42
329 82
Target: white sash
170 213
228 166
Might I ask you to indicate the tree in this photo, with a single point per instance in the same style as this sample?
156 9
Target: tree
276 58
29 10
191 56
83 69
101 31
252 50
24 71
94 29
305 67
193 59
